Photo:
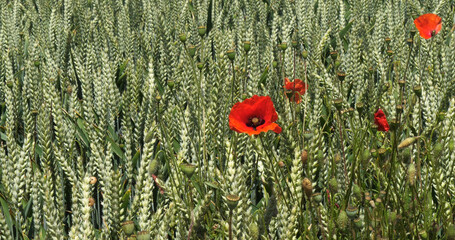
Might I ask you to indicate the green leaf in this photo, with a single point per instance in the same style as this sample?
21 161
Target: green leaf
211 185
345 29
136 157
263 77
8 219
82 132
115 147
3 136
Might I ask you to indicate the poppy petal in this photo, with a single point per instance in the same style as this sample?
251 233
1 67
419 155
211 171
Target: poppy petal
242 114
427 24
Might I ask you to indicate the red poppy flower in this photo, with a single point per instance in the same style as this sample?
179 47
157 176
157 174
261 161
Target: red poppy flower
428 25
381 121
254 115
297 86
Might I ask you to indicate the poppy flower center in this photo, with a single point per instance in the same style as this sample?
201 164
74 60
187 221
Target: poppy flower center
255 122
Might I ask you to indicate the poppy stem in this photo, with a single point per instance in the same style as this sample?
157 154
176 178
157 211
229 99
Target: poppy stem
275 175
233 82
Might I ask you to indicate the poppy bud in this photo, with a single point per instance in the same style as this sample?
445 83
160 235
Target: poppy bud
399 108
91 202
437 149
333 185
200 65
128 227
406 154
387 40
247 46
254 230
201 30
423 234
307 187
337 63
334 55
93 180
171 83
158 97
352 211
274 64
392 216
338 103
231 54
188 169
401 83
143 235
132 237
390 52
367 197
182 37
357 191
34 112
283 46
359 106
411 174
341 76
317 197
305 54
342 220
441 116
36 63
294 44
304 157
337 158
9 84
409 41
418 90
382 194
281 164
407 142
154 167
191 50
307 135
358 223
394 124
232 201
382 152
450 232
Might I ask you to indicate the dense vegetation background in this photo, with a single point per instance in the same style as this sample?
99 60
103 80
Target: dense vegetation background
108 106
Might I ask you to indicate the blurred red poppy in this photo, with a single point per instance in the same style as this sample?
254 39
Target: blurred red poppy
428 25
381 121
254 115
297 86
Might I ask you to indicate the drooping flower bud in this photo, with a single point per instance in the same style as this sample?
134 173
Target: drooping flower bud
307 187
407 142
342 220
304 157
411 174
333 185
